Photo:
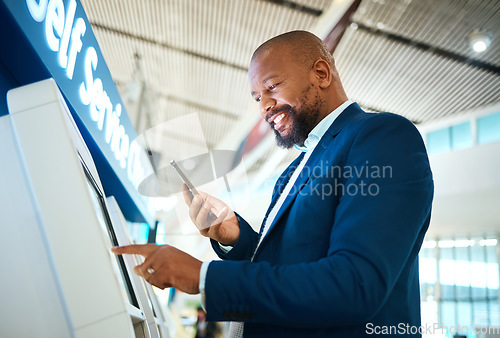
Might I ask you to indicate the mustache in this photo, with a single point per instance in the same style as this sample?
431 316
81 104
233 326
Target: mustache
283 109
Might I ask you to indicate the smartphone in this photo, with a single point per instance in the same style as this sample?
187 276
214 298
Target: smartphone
184 178
211 216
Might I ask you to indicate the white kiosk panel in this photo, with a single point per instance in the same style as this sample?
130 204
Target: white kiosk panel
29 282
69 203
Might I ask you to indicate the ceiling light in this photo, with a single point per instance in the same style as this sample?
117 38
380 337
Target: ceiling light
479 41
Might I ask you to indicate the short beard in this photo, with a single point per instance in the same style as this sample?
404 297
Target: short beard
303 121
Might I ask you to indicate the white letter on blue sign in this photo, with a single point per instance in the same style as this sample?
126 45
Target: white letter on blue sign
37 10
86 88
70 16
54 22
76 45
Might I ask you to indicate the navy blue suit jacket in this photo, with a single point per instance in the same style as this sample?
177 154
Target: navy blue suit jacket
340 258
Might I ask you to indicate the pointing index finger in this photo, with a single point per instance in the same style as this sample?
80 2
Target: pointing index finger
138 249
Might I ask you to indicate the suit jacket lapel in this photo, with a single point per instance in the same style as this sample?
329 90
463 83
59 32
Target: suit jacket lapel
347 115
281 184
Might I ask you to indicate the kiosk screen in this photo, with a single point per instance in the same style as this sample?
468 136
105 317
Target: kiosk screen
105 221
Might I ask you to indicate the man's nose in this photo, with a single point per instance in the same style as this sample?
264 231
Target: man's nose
266 104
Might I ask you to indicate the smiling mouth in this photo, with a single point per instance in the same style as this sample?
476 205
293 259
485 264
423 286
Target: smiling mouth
278 121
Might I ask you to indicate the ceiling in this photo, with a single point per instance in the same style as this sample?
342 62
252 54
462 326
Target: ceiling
412 58
409 57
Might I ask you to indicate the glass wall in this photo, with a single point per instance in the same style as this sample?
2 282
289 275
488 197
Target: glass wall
488 128
483 130
459 287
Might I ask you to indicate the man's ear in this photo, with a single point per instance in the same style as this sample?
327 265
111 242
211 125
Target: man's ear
322 73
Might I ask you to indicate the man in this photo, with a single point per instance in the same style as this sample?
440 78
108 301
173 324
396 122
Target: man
337 251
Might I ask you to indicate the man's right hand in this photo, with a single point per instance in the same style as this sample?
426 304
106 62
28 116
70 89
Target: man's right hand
225 229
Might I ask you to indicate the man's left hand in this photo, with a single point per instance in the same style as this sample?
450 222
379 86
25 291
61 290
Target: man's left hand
165 266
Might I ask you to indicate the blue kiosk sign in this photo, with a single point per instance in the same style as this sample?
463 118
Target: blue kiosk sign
59 32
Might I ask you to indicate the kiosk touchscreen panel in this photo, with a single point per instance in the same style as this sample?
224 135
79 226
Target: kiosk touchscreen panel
105 222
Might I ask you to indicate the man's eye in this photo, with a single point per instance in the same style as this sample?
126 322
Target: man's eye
257 99
271 87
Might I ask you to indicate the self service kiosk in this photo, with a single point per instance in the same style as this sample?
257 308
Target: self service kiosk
58 276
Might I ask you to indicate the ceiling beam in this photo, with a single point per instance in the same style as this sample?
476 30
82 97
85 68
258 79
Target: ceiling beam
333 38
431 49
167 46
189 103
330 17
200 106
297 7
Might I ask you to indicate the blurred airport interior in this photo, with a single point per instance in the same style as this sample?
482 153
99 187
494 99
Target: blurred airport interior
180 71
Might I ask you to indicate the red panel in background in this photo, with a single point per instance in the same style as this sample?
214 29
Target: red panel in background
254 137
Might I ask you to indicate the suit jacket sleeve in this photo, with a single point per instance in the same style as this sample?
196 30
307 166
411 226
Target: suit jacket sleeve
244 247
371 242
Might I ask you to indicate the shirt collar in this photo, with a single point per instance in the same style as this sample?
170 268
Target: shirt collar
320 129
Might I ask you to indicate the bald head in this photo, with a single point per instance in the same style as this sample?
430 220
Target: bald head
303 47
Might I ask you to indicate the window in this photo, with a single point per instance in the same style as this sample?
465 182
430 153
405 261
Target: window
459 284
461 136
488 128
450 138
438 141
